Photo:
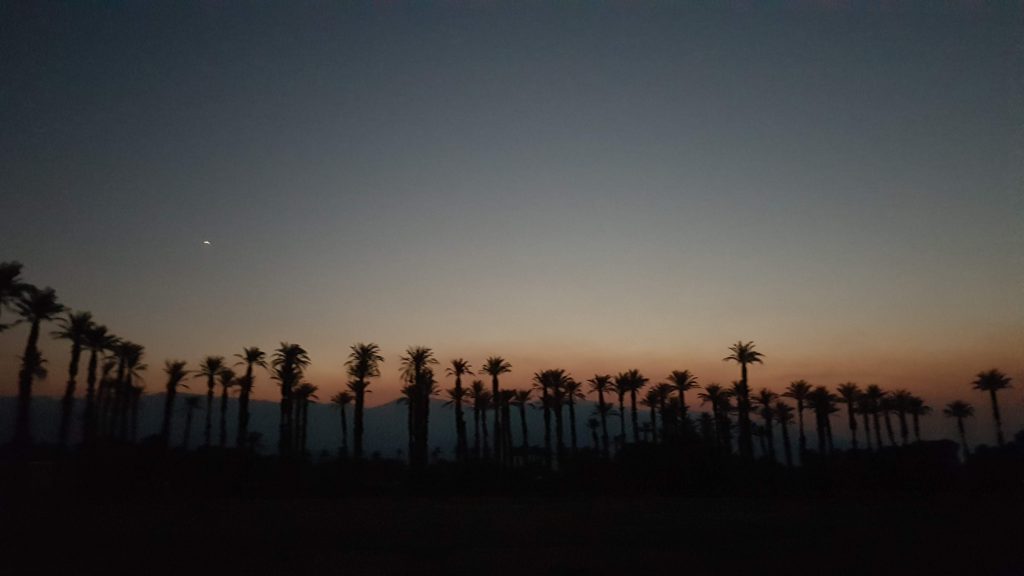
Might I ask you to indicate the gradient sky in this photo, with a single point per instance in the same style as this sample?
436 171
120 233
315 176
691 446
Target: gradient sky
594 186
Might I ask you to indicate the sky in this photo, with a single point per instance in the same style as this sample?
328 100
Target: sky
595 186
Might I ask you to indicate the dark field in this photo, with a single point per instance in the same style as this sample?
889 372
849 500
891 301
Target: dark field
887 534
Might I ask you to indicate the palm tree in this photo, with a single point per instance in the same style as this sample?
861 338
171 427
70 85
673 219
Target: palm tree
823 403
784 414
874 396
765 399
496 366
11 286
993 381
341 400
304 394
650 400
602 383
917 408
743 353
622 385
408 397
74 328
901 404
594 424
887 405
573 392
176 372
798 390
133 368
459 368
457 398
226 378
191 404
636 381
521 399
718 397
289 364
209 368
363 364
863 407
480 397
552 384
99 341
135 395
251 357
681 381
741 392
417 372
35 306
960 410
848 394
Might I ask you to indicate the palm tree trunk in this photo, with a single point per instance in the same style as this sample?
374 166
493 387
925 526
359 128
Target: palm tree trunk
622 420
963 437
224 417
559 436
572 426
545 404
208 432
30 364
904 431
483 426
357 421
800 420
526 435
878 428
633 414
495 398
996 418
867 430
888 428
769 439
165 428
917 427
654 424
89 418
460 423
67 404
241 440
604 421
284 439
785 444
476 432
852 423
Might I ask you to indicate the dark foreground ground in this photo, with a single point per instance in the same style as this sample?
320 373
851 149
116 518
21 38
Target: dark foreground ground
522 535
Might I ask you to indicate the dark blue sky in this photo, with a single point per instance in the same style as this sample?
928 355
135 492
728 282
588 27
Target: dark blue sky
582 184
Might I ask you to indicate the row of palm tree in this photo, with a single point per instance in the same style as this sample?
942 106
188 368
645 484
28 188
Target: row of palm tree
114 375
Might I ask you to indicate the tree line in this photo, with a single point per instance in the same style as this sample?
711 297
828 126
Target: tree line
737 418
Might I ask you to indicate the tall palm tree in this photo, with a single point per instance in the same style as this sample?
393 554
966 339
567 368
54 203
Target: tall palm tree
417 372
848 394
863 407
901 404
363 364
594 425
741 392
766 400
456 398
289 364
341 400
573 392
480 398
602 384
993 381
798 391
681 381
191 404
917 408
784 414
521 400
209 367
495 366
960 410
552 383
34 306
743 353
226 378
133 368
251 356
636 382
622 385
74 328
718 397
874 396
887 405
135 395
305 393
650 400
459 368
176 372
823 403
11 286
668 407
98 341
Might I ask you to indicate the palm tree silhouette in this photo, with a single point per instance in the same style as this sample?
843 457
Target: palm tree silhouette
11 286
459 368
209 368
521 400
573 391
848 394
874 396
341 400
743 353
416 372
718 397
191 404
289 363
251 356
456 398
480 398
226 379
176 372
594 425
765 399
917 408
74 328
304 394
650 400
823 403
887 405
784 414
135 396
551 383
133 368
960 410
741 392
798 391
901 403
99 341
863 407
35 306
993 381
635 382
601 384
681 381
363 364
495 366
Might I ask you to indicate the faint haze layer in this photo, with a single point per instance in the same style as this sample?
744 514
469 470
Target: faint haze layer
595 186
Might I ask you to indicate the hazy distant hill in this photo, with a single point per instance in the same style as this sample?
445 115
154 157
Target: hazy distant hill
385 425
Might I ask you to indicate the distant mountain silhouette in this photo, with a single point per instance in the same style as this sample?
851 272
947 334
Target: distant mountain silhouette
386 432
